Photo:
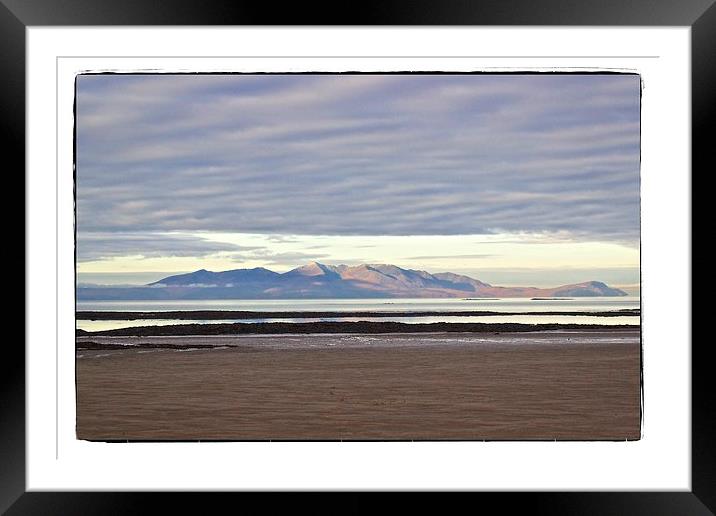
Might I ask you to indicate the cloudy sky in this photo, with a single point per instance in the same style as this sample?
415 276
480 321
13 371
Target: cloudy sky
512 179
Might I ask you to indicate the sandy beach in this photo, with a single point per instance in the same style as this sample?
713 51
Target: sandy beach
582 385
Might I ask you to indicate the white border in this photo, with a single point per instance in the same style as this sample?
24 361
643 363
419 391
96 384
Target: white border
660 461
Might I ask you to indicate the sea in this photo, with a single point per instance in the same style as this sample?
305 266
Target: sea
513 310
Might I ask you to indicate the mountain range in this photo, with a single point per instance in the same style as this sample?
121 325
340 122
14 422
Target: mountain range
316 280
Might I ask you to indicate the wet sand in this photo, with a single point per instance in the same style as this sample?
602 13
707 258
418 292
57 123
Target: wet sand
582 385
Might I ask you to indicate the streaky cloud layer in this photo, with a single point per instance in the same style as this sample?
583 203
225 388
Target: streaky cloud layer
355 155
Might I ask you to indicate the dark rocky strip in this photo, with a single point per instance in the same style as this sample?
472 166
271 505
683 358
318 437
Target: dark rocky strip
243 314
341 327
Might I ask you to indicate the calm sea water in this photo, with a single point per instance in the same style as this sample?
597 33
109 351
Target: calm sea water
514 306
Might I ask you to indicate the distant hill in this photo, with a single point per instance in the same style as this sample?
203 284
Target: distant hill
316 280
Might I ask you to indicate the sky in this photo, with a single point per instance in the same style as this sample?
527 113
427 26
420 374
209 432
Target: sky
526 180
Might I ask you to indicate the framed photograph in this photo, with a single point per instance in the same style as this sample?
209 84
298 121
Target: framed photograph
362 258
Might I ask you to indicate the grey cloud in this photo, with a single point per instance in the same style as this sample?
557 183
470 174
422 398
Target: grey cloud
96 246
360 155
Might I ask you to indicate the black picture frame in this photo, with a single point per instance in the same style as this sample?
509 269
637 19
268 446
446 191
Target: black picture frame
700 15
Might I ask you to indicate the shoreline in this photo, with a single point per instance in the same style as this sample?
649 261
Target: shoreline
337 341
